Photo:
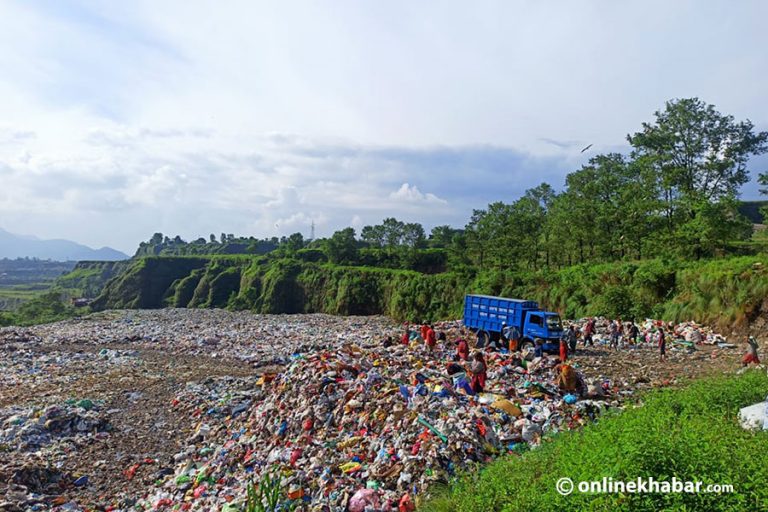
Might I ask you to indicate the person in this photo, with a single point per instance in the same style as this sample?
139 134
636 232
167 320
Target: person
479 371
662 346
462 349
620 330
567 378
634 332
563 350
431 338
751 355
406 338
517 361
589 330
454 369
480 342
423 330
613 332
570 337
511 335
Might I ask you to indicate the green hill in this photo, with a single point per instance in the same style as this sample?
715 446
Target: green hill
727 292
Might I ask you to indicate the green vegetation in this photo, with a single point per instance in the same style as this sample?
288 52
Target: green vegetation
726 292
268 495
24 279
12 297
88 278
160 245
46 308
691 434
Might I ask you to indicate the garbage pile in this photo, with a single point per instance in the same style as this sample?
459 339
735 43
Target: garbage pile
372 426
37 438
257 339
29 365
185 408
30 429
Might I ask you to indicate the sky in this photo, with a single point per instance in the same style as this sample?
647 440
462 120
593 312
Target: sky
120 119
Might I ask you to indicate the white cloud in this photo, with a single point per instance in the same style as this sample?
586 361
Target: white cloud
121 119
412 194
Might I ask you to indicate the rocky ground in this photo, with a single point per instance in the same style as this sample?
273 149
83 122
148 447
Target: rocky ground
101 412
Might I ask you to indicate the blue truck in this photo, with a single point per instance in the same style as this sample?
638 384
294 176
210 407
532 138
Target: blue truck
486 315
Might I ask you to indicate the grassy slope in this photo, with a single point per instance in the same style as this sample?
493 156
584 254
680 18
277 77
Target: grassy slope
725 292
692 434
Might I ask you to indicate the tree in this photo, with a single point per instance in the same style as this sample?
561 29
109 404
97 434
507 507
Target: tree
441 236
294 242
699 158
373 235
413 235
342 247
701 153
491 235
156 239
213 238
393 231
530 214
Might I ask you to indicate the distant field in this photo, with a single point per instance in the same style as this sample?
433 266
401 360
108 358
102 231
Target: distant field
12 297
22 280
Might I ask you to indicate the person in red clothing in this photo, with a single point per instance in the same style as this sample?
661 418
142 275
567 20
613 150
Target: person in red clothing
424 329
588 331
406 338
462 349
479 371
563 350
751 355
431 338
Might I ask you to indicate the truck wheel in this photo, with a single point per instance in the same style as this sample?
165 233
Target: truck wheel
483 339
527 348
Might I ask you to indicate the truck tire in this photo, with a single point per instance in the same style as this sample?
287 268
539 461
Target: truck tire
526 347
483 339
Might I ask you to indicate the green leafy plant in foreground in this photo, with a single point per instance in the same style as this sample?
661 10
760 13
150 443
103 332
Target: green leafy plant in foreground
267 494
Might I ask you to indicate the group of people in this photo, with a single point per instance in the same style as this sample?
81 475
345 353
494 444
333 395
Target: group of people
475 366
619 333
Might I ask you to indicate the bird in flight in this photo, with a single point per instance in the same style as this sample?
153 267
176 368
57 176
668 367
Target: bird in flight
586 148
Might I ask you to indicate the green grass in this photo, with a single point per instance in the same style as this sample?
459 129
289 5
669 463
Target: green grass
12 297
692 434
17 292
46 308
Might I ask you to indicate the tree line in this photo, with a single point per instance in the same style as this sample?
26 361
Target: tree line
674 194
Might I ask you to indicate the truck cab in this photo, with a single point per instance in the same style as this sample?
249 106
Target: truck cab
542 325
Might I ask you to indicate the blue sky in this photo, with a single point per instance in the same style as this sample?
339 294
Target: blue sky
118 119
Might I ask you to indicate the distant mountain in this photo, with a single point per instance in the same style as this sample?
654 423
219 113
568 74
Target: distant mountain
17 246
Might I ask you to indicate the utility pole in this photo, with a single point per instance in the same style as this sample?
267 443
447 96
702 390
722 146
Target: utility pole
312 231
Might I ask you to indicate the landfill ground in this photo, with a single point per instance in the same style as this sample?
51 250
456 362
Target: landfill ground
126 410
